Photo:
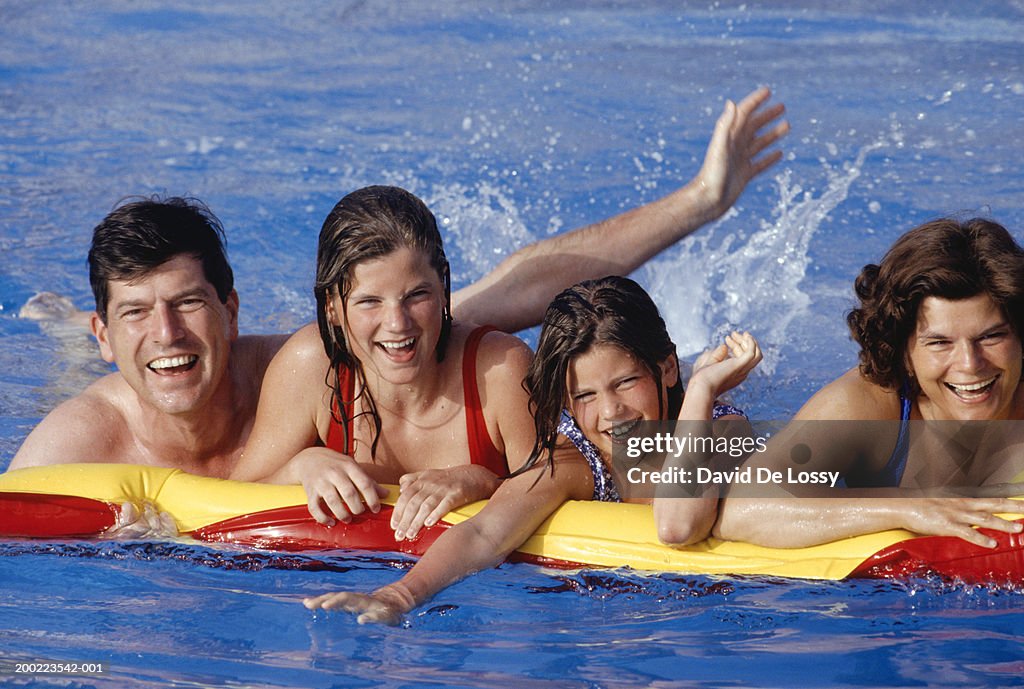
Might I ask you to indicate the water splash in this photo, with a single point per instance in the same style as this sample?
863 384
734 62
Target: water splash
719 280
481 226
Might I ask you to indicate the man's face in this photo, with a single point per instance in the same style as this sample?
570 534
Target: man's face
169 335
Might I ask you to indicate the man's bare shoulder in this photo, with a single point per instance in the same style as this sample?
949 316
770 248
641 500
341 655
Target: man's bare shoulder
90 427
254 352
853 397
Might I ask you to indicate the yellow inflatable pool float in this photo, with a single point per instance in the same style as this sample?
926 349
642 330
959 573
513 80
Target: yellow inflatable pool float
84 500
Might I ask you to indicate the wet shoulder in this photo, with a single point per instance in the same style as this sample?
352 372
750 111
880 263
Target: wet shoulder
496 350
304 346
853 397
90 427
255 352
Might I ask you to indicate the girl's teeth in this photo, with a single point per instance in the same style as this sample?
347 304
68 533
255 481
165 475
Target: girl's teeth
398 345
623 429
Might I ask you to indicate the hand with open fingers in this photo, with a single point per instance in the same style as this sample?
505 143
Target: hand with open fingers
336 486
426 496
732 157
958 516
723 368
384 606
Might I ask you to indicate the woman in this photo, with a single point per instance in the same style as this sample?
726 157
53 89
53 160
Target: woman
604 363
939 325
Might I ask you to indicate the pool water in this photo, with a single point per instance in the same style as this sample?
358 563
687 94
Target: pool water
514 121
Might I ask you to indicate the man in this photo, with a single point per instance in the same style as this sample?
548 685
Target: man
187 383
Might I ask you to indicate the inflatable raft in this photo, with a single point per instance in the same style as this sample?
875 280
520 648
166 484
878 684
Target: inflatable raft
84 501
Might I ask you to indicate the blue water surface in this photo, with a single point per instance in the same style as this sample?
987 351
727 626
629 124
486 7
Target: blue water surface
514 120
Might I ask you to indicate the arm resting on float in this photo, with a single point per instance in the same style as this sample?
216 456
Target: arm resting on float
809 515
799 522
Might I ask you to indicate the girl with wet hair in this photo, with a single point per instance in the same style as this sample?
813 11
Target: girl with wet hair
604 364
367 225
614 311
411 397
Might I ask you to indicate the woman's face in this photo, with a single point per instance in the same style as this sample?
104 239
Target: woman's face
392 315
611 391
966 358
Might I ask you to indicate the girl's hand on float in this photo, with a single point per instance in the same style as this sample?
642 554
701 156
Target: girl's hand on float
723 368
336 485
731 160
954 516
426 496
384 606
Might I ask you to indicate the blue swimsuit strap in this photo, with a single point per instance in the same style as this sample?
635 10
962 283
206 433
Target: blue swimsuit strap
898 461
605 489
891 474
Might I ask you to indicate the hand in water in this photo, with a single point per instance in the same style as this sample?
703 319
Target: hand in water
384 606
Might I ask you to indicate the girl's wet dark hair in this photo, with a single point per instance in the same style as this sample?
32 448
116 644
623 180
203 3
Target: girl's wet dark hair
946 258
144 233
368 224
612 311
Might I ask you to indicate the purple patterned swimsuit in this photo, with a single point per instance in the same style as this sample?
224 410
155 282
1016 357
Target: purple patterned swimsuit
604 482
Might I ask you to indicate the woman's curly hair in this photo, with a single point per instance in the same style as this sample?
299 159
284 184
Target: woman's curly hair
944 258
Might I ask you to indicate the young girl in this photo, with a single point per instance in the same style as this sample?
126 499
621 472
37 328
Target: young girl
604 363
448 394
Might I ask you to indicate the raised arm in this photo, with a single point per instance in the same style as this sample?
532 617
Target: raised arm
685 520
516 293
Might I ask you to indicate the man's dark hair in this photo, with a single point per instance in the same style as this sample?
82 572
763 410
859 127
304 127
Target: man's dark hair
143 234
